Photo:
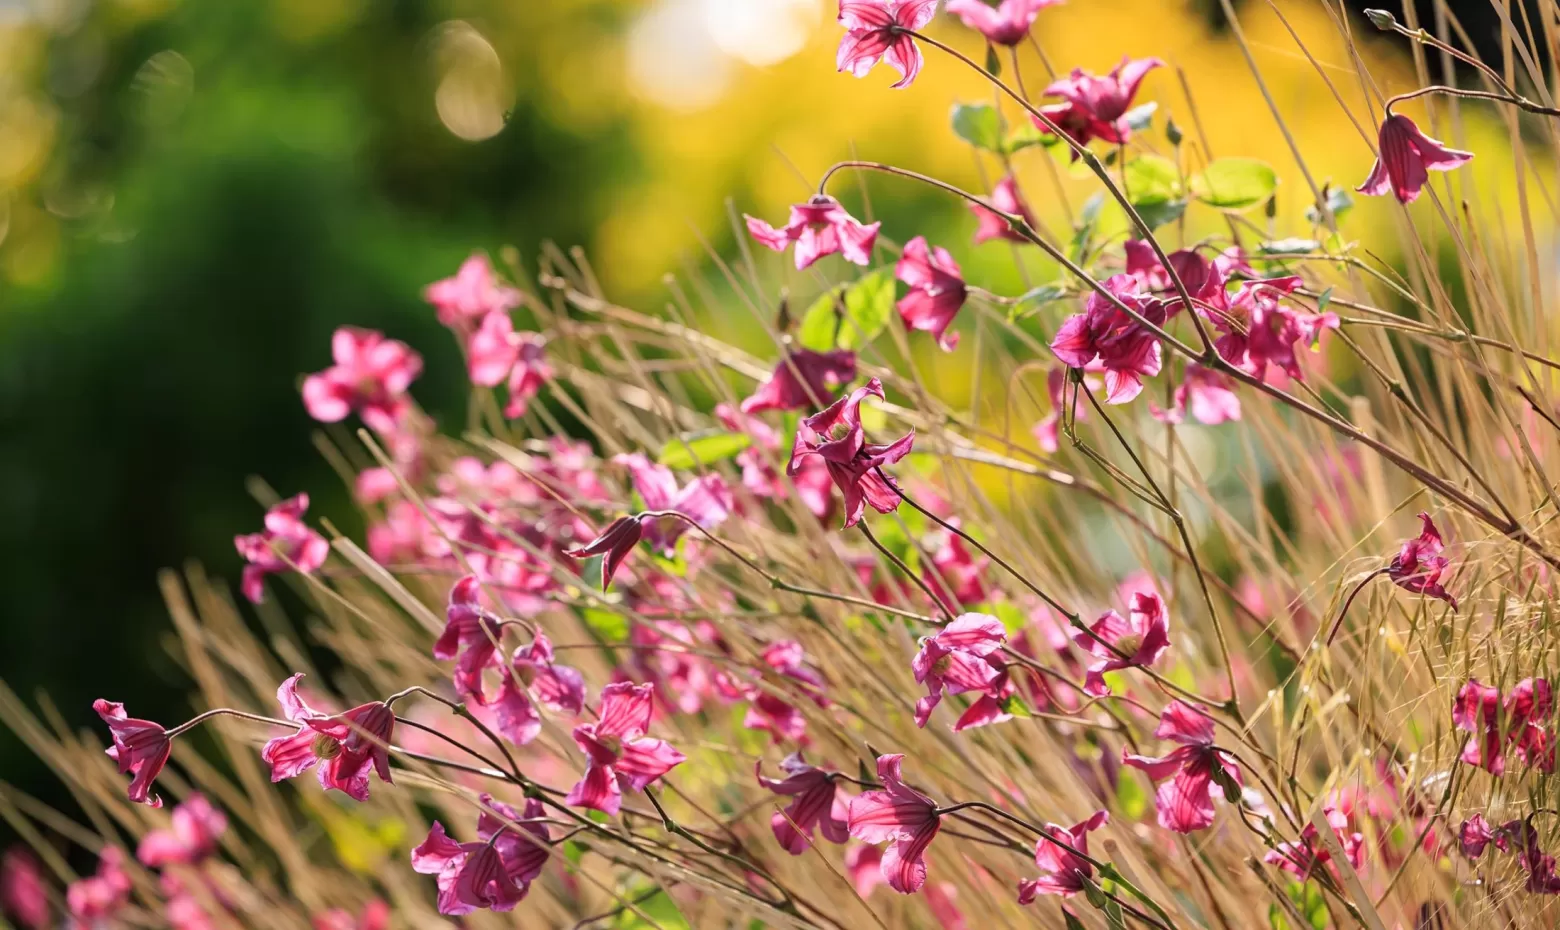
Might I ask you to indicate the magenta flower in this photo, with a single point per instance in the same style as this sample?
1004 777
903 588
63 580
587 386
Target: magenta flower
1006 24
1062 872
1478 709
141 748
954 660
370 376
836 436
819 227
24 898
344 745
1137 641
1095 107
375 916
1476 833
1105 338
875 30
471 295
1005 197
937 291
1406 160
197 826
817 804
803 379
770 712
1258 331
615 542
534 678
759 474
1419 565
707 500
285 543
496 353
470 637
1301 859
1196 771
1206 394
618 754
898 815
102 895
955 572
494 873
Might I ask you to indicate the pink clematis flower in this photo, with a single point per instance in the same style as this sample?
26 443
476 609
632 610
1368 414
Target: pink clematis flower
836 437
1301 859
370 376
24 898
141 748
494 873
770 712
875 30
818 227
285 543
955 572
375 916
707 500
534 678
102 895
817 804
470 637
954 660
344 745
803 378
1006 198
1062 872
615 542
1194 771
618 754
1206 394
1478 709
937 291
1137 641
864 865
1419 565
1006 24
1105 337
196 828
1095 106
496 353
1475 834
898 815
1406 160
471 295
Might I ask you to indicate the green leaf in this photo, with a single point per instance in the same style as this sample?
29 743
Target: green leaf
1139 118
1158 214
688 452
1014 620
1072 922
821 321
1173 133
1323 299
978 124
1231 786
1014 704
1131 799
1276 919
993 63
1033 299
1027 135
1237 183
1151 179
661 910
866 305
1083 233
1309 901
1338 202
611 626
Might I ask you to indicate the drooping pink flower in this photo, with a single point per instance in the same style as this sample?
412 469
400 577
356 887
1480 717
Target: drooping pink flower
1062 871
817 804
1419 564
370 376
1206 394
771 712
836 436
1406 160
1006 24
864 865
618 754
955 571
285 543
1006 198
196 827
1528 708
141 749
471 295
875 30
24 898
1478 709
615 543
1304 857
942 899
496 353
494 873
1474 835
1095 106
937 291
534 678
1191 774
344 745
818 227
1106 338
954 660
1137 641
102 895
375 916
898 815
470 637
803 379
707 500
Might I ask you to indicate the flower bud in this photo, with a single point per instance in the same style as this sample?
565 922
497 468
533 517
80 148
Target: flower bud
1381 19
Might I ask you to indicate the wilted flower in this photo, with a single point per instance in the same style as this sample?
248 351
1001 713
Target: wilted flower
1419 565
344 745
1006 24
196 827
1096 106
615 543
802 379
954 660
1062 871
898 815
1005 197
141 748
472 294
496 353
1302 858
102 895
1105 338
618 754
24 898
706 500
817 804
836 436
370 376
1195 771
1406 160
494 873
937 290
1116 644
819 227
876 30
286 543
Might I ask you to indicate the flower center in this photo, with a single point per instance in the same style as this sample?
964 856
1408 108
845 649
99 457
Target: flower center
1130 643
325 747
941 666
